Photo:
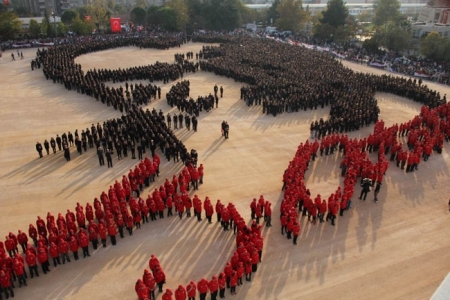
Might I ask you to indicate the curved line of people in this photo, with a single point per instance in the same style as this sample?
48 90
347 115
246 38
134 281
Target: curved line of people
424 134
122 208
282 78
244 261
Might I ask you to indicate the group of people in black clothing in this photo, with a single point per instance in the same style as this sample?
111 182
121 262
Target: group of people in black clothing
284 79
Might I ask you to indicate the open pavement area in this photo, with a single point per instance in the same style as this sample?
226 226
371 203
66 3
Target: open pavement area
397 248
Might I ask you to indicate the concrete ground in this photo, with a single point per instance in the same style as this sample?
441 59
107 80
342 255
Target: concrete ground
395 249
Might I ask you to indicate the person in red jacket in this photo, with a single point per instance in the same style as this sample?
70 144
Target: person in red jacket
54 253
160 278
222 284
42 257
19 270
84 243
112 232
213 287
30 258
5 283
63 248
233 282
33 234
141 290
73 244
191 290
167 295
296 231
202 287
248 269
150 282
180 293
22 239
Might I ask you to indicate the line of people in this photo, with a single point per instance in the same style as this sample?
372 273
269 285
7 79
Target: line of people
424 134
120 209
244 261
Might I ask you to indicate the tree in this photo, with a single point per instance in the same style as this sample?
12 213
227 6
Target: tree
291 15
272 14
62 29
385 11
154 15
371 45
180 9
168 18
82 26
141 3
46 26
433 46
34 29
335 14
10 25
396 39
67 16
365 16
98 10
138 16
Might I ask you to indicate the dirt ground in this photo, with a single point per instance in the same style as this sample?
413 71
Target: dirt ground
395 249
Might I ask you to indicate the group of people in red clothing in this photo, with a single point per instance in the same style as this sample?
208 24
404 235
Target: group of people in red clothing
425 133
119 209
244 261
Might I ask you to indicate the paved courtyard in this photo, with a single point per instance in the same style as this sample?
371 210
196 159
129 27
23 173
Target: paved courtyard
395 249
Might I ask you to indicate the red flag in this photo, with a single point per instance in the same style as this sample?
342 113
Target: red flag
6 2
115 24
87 18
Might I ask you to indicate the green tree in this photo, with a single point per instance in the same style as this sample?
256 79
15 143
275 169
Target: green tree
98 10
82 26
291 15
46 26
396 39
34 29
181 12
372 45
335 14
138 16
62 29
385 11
154 15
67 16
272 14
433 46
365 16
168 18
141 3
10 25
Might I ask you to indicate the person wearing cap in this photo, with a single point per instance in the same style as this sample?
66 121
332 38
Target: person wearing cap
31 262
191 290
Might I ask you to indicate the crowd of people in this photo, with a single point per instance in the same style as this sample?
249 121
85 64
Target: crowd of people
277 80
129 136
244 261
408 144
120 209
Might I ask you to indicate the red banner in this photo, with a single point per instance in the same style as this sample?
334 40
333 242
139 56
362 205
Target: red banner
6 2
87 18
115 24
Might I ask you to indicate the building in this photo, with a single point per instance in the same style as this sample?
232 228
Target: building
354 9
26 21
433 18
